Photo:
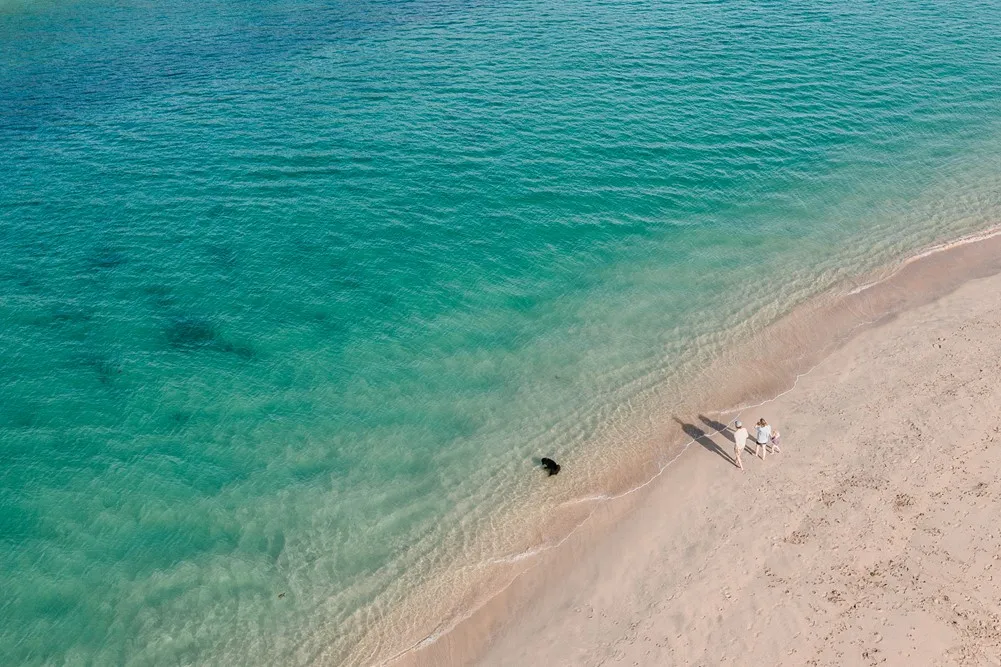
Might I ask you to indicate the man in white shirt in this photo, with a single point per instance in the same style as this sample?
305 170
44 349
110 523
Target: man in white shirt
740 436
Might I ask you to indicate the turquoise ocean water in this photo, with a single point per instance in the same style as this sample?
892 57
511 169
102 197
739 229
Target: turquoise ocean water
292 292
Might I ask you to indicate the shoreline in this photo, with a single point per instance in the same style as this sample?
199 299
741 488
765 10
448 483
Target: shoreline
913 282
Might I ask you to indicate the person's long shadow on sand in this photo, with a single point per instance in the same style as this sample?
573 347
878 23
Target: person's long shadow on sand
703 438
717 426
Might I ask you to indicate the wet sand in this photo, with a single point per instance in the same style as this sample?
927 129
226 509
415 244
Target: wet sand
871 537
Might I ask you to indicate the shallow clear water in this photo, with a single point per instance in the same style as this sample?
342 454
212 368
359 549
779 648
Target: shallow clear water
292 293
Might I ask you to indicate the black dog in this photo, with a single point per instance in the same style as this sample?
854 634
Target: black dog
551 466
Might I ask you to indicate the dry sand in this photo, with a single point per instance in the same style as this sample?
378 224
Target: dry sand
873 538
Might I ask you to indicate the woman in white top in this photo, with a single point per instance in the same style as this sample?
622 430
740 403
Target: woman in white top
763 437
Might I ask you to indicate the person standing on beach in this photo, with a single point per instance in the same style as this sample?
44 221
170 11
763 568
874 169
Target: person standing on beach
740 436
764 436
776 441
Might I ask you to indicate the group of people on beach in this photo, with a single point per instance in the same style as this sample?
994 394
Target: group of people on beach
764 437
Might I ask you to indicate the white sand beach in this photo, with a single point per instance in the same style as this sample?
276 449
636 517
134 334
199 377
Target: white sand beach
874 538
